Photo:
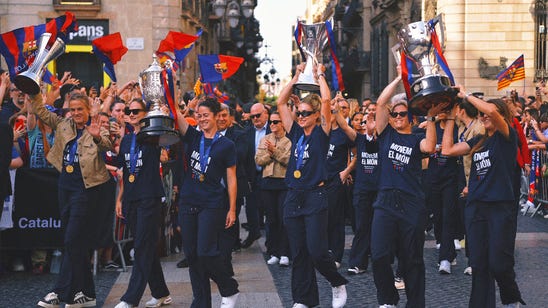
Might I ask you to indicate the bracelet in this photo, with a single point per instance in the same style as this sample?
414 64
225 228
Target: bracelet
450 119
320 75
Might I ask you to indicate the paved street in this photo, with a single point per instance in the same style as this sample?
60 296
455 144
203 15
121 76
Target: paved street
268 286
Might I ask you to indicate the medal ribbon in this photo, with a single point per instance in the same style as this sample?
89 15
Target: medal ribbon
301 146
74 148
204 152
133 156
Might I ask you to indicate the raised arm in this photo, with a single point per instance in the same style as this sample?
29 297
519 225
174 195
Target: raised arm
285 113
49 118
325 94
448 148
383 103
428 144
489 109
349 131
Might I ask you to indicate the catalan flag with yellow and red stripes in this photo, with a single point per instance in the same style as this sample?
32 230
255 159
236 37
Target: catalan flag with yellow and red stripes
514 72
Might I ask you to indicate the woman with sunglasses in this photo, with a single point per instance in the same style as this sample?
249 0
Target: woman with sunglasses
139 201
305 207
358 123
78 155
273 155
399 218
207 185
489 215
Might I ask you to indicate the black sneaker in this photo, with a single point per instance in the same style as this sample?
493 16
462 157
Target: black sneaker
80 300
111 265
50 301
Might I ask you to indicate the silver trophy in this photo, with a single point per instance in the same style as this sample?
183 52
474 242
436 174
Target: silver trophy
29 81
433 86
157 125
314 40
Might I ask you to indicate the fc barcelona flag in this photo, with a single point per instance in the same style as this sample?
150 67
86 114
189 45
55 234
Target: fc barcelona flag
178 43
109 49
215 68
18 47
514 72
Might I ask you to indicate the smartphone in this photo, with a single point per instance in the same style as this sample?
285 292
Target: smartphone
19 124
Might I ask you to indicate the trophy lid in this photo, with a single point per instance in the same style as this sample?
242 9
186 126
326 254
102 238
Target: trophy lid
154 66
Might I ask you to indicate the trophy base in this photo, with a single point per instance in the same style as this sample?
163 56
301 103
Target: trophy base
158 130
429 91
308 87
26 84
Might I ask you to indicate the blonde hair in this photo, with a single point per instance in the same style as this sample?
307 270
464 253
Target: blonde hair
313 100
354 106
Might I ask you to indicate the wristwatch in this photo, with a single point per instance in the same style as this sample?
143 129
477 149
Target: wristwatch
431 119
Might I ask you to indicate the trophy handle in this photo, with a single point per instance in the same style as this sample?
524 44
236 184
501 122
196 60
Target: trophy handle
439 25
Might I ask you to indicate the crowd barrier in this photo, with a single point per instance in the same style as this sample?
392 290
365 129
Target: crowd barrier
538 182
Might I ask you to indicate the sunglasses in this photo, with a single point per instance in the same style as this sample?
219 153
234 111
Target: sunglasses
304 114
132 111
255 116
275 122
402 114
363 122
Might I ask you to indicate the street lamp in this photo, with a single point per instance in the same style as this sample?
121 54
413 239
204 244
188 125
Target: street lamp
247 8
232 10
219 7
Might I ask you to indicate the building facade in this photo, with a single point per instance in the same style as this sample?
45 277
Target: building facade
142 25
482 38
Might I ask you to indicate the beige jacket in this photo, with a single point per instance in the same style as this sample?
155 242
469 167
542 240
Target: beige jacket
92 164
273 165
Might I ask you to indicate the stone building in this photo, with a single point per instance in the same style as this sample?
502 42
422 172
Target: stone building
482 38
142 25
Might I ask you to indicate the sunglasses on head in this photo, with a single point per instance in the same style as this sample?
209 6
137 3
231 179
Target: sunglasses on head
275 122
255 116
132 111
304 114
402 114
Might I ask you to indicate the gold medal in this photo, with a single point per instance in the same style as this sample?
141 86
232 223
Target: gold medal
297 174
131 178
69 169
201 177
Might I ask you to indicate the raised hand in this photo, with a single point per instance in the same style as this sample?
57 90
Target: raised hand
94 128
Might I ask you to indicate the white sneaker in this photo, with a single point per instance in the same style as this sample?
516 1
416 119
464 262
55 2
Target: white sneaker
337 264
158 302
387 306
50 301
438 246
339 296
512 305
399 284
273 260
457 245
123 305
355 271
284 261
468 271
229 302
297 305
445 267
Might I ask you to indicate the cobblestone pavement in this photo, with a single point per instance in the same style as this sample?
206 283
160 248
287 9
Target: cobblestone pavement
444 290
25 289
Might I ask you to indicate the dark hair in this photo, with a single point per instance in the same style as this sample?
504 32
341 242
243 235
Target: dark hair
139 101
534 113
212 104
543 117
504 111
116 102
66 89
470 109
103 114
188 96
355 114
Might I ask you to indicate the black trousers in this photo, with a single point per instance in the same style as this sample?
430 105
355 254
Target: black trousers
143 217
361 243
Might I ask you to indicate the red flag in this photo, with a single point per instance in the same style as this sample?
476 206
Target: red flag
111 46
175 41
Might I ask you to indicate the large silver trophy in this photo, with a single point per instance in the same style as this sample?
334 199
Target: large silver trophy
157 125
29 81
314 40
433 86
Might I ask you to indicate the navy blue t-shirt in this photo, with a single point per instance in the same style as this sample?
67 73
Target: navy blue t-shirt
314 170
147 179
211 193
400 161
493 168
367 167
441 168
72 181
337 154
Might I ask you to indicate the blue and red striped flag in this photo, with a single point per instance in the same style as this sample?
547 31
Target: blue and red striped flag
514 72
109 49
178 43
337 76
298 38
19 47
215 68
